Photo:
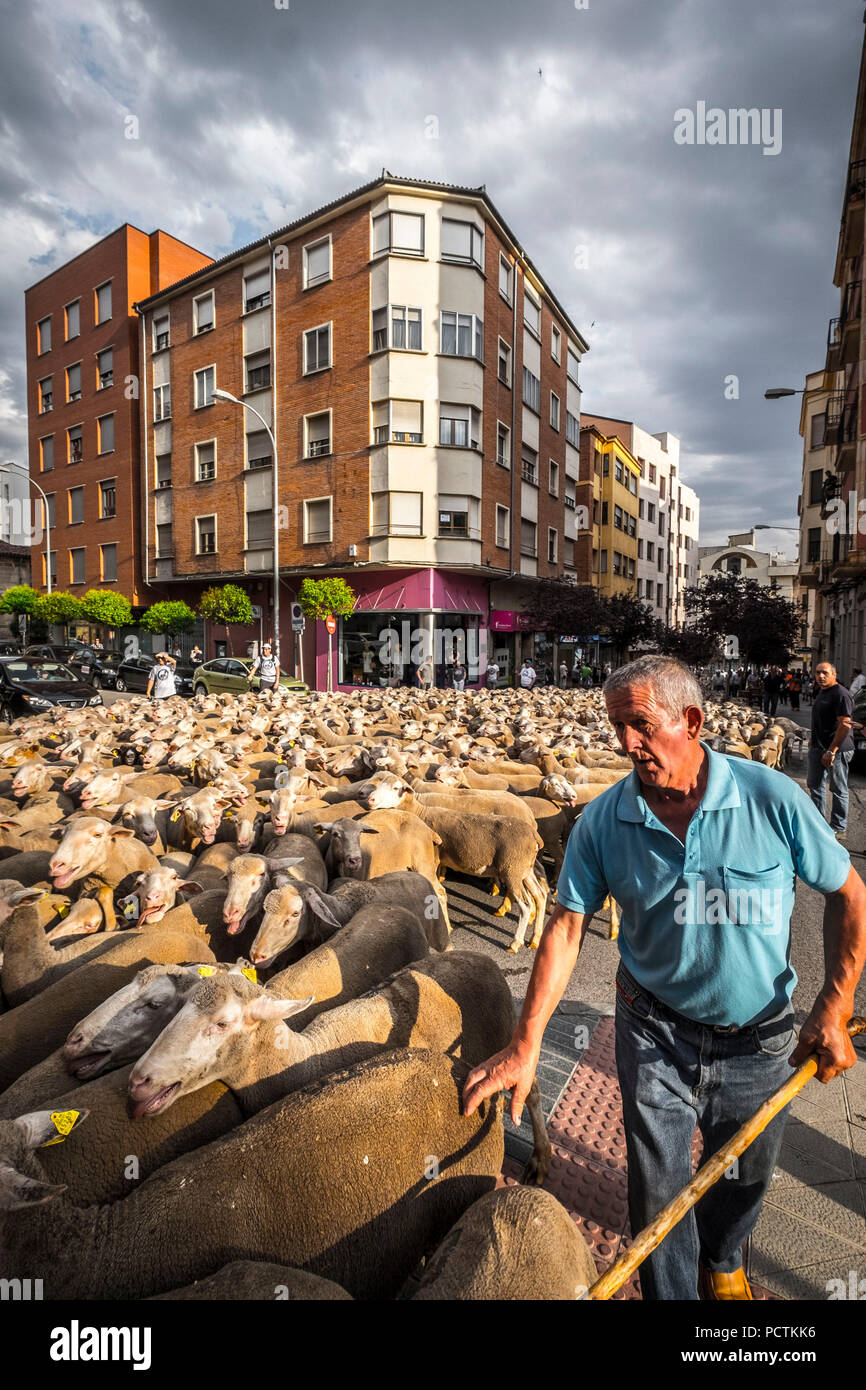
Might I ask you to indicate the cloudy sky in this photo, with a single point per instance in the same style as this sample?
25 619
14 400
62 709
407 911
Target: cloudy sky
682 264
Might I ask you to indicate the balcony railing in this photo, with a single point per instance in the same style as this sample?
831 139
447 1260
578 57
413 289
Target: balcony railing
530 474
318 447
571 503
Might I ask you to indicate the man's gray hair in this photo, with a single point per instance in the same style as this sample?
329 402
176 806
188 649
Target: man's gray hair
670 680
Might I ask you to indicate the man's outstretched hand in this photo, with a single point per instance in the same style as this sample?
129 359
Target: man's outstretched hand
825 1034
512 1069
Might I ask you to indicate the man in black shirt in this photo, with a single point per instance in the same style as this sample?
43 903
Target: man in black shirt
772 687
832 747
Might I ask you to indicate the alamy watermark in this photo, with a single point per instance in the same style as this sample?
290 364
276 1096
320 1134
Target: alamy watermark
738 125
743 906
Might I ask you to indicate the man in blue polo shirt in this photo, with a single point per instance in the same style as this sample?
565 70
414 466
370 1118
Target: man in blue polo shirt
701 851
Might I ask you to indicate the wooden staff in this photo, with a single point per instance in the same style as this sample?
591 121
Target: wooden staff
653 1234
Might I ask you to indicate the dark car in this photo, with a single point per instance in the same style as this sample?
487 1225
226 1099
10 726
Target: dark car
135 673
99 667
30 684
54 651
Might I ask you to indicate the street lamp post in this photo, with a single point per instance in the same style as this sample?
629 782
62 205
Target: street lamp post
227 396
8 467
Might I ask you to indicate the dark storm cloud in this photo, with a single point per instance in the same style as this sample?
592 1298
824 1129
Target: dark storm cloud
701 262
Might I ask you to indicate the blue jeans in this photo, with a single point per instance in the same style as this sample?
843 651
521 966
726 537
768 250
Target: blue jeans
816 780
674 1074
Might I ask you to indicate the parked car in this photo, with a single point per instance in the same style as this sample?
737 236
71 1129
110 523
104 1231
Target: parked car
99 667
231 674
134 673
54 651
30 684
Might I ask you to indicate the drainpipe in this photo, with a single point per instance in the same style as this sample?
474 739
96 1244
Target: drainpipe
146 467
276 484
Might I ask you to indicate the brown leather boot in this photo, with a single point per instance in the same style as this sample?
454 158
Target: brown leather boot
721 1285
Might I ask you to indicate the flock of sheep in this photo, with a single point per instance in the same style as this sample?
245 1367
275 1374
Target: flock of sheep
234 1034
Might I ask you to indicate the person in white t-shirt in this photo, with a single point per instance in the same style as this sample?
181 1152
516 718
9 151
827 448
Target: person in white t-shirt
528 675
492 673
267 668
162 681
857 683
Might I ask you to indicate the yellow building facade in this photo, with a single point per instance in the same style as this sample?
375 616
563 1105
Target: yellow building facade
618 522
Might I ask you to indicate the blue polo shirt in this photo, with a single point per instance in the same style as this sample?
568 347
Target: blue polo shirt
706 925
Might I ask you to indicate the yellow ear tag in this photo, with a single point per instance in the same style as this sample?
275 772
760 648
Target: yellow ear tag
63 1121
279 760
192 765
115 752
229 815
130 909
63 910
250 972
205 970
176 815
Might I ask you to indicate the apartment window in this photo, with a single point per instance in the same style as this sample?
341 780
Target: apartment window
317 348
257 290
573 366
813 545
551 546
617 471
640 550
398 422
631 524
462 335
688 516
816 486
160 331
568 552
205 535
640 587
258 449
317 521
74 444
531 391
72 315
462 241
660 595
650 550
396 514
554 411
454 520
105 368
505 273
459 426
572 429
46 454
108 498
596 461
108 563
631 481
555 343
617 518
163 470
662 486
530 465
161 403
605 465
603 565
205 461
258 370
164 543
399 232
75 496
503 445
50 497
203 313
76 566
630 567
205 383
661 523
617 562
570 498
43 336
405 328
652 473
650 511
260 529
604 513
528 538
660 555
553 482
504 363
531 313
317 434
103 302
817 428
317 263
46 395
503 526
73 382
105 434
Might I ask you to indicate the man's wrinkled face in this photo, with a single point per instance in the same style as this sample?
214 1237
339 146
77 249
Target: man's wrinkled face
825 675
657 744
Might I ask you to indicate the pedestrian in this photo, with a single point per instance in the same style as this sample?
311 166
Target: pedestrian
492 674
528 675
196 656
563 675
162 681
267 668
176 651
794 690
458 674
97 645
424 673
772 688
858 681
831 747
704 1022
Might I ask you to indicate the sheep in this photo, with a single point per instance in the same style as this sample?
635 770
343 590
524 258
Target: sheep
203 914
231 1029
252 876
90 851
247 1280
515 1243
31 962
299 912
33 1029
402 841
330 1179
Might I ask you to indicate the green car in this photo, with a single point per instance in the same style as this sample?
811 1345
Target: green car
231 674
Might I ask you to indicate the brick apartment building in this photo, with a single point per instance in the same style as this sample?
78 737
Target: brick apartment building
422 383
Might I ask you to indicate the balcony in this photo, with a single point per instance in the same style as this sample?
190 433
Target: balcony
530 474
846 444
851 306
570 503
317 448
833 417
834 345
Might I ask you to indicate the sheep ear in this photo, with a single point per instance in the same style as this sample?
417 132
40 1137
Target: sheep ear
316 904
264 1007
38 1126
284 864
121 832
188 888
18 1191
369 830
26 895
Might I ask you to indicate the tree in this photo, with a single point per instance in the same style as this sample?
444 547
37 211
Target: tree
766 624
696 646
169 616
228 605
628 621
325 598
57 608
564 607
21 600
105 606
